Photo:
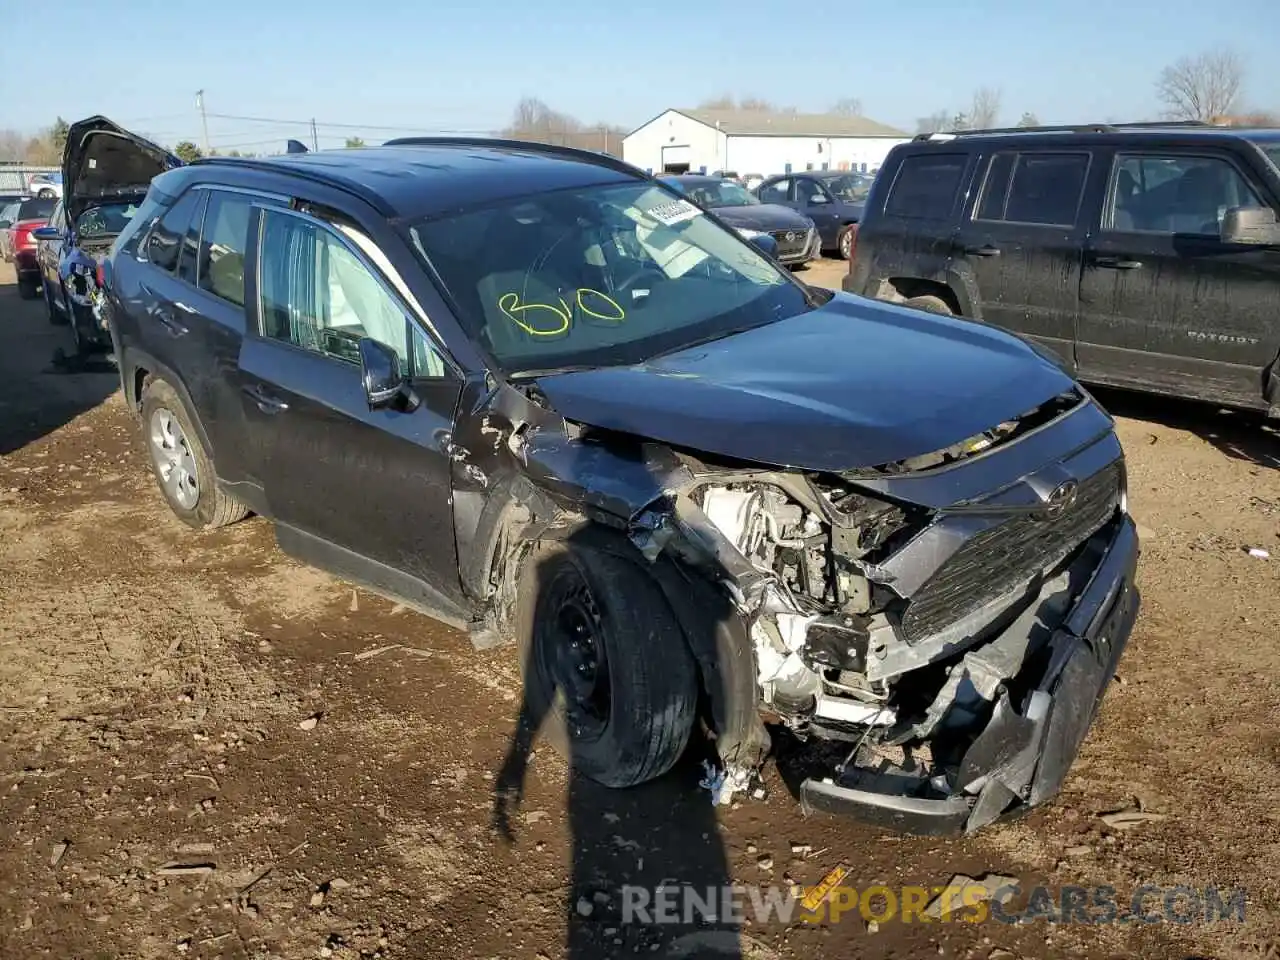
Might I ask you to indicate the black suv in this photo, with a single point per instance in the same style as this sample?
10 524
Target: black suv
1144 256
537 394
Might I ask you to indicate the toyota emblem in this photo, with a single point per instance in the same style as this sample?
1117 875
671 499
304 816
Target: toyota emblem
1061 499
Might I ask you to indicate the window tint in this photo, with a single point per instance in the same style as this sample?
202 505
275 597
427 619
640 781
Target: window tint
775 192
318 295
165 241
926 186
1187 195
995 189
223 244
191 242
38 209
1047 188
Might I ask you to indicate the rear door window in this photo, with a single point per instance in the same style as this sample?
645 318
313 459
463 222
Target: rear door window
223 245
926 186
1046 188
164 243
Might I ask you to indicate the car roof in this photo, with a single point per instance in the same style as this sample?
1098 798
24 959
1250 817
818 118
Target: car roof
1171 132
427 176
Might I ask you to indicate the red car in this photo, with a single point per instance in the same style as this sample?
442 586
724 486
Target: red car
17 246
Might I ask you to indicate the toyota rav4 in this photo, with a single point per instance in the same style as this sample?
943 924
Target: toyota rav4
534 393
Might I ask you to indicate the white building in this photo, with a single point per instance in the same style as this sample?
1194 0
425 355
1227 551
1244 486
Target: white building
753 141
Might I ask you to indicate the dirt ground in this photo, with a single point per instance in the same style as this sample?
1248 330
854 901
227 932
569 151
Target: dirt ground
208 750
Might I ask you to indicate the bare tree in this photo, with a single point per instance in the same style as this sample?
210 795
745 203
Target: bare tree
961 121
984 112
1201 87
723 102
1029 119
934 122
534 120
1252 118
760 105
848 107
13 145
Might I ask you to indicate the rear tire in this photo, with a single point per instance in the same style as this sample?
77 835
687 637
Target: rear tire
182 468
845 242
28 289
929 304
604 661
46 194
56 318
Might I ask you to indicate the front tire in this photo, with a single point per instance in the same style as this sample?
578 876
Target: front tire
604 661
845 242
56 317
28 288
182 468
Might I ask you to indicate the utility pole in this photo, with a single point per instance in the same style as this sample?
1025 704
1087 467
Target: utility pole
315 141
204 121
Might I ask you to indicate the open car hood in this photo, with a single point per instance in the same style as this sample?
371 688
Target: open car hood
852 384
103 160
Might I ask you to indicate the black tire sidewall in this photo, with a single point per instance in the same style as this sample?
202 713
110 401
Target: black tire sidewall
663 685
158 394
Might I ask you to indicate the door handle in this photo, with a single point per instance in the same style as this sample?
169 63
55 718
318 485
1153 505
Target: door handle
1117 263
986 250
265 401
170 322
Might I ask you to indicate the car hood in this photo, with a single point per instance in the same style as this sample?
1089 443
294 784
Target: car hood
103 160
762 216
852 384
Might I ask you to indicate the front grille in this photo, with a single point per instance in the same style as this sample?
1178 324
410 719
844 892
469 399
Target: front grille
999 559
796 245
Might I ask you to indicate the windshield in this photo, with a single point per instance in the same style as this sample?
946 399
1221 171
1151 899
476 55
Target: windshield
106 220
850 188
38 209
725 193
600 276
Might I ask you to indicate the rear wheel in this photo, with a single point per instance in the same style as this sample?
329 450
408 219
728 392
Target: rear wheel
182 468
56 317
605 662
846 242
46 194
28 287
930 304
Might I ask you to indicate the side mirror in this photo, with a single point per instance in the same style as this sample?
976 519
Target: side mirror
766 245
46 233
1254 225
818 199
384 383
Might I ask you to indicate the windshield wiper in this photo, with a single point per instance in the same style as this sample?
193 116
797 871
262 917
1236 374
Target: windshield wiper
536 373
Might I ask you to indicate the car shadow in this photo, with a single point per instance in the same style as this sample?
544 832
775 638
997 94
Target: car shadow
39 393
633 850
1240 434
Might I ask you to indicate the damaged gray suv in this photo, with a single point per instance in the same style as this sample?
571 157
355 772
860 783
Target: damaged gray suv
536 394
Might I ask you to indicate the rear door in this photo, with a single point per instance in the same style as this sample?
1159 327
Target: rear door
1021 245
1166 305
373 484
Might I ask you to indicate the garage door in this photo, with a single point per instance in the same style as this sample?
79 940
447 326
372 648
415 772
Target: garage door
676 159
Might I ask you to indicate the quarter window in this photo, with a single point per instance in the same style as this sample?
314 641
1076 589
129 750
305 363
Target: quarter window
1174 195
1034 188
165 240
926 186
318 295
191 243
223 245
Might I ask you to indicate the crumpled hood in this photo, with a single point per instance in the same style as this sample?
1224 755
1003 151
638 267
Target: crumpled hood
855 383
103 160
762 216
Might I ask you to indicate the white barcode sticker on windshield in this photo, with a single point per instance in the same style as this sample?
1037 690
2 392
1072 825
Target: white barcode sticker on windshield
677 211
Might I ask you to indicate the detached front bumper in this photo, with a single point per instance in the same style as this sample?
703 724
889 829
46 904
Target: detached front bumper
1022 756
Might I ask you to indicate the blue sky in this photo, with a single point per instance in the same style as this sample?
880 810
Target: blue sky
396 66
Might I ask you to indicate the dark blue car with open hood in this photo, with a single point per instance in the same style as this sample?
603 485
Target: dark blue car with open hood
537 394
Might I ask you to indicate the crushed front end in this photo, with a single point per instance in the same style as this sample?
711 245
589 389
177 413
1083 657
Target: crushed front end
952 621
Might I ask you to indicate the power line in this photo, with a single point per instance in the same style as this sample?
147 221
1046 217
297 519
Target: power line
344 126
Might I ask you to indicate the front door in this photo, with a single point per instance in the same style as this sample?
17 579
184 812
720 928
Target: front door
813 200
1022 244
1166 305
364 492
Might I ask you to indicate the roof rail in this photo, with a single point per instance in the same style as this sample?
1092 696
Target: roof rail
576 153
1065 128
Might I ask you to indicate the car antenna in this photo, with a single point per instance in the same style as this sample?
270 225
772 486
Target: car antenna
296 146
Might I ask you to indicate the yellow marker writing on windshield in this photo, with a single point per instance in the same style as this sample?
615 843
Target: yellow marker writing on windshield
509 304
604 300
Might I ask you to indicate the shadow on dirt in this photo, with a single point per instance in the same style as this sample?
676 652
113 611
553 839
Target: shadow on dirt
634 849
39 394
1241 435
